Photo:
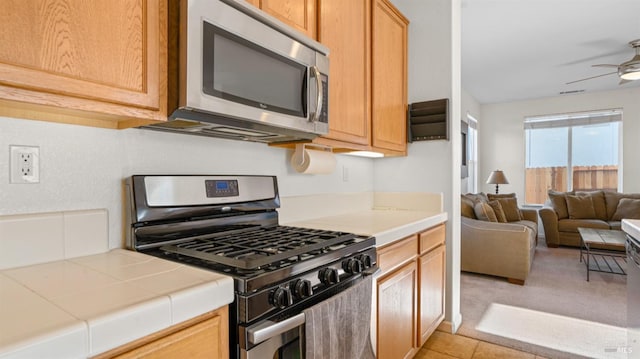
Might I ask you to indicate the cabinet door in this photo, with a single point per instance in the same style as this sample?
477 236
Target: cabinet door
206 337
389 77
100 56
344 29
432 279
397 312
299 14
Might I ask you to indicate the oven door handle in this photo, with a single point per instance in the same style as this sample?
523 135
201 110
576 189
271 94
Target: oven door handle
269 329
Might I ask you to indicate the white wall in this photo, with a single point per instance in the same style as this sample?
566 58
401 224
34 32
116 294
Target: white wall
502 142
83 167
433 166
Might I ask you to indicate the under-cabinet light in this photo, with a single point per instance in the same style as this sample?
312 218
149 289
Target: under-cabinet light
369 154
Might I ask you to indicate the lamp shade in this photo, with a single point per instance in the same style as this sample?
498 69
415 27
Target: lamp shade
497 177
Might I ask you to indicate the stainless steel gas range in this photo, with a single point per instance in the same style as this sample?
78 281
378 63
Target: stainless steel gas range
229 224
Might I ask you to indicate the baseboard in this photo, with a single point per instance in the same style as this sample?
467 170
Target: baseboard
450 327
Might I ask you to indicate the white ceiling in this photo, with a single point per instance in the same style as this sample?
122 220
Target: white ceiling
523 49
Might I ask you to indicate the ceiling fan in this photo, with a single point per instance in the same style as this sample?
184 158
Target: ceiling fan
627 71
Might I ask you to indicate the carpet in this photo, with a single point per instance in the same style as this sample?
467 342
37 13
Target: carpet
556 314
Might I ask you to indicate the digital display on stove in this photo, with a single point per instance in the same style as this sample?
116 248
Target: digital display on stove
221 188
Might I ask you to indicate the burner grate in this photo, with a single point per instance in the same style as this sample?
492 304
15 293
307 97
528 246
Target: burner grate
257 247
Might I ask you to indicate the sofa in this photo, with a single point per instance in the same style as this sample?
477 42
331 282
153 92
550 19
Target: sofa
564 212
501 244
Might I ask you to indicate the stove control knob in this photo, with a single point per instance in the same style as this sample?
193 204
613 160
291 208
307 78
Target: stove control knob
281 298
366 261
352 266
302 288
328 276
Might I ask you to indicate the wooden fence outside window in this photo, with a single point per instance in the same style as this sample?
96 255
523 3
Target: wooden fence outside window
585 178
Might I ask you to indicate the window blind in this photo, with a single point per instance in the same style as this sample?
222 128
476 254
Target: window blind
573 119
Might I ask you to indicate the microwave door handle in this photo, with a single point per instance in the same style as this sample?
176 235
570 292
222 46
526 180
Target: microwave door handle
320 89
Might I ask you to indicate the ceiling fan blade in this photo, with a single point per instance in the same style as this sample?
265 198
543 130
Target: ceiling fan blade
592 77
592 58
604 65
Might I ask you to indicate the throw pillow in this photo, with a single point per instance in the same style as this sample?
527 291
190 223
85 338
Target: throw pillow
484 212
510 207
497 209
466 207
477 197
580 207
627 208
612 199
559 203
599 205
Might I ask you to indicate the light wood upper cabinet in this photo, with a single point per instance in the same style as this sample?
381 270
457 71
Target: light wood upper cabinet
367 40
344 29
299 14
389 77
105 59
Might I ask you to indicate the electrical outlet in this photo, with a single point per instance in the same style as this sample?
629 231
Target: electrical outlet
345 174
25 164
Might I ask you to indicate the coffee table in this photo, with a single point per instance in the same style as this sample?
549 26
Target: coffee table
603 250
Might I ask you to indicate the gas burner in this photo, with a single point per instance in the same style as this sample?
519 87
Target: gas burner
257 247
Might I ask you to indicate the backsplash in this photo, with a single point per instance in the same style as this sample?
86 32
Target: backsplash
83 167
27 239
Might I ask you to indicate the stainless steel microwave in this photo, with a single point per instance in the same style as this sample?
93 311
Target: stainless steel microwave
246 75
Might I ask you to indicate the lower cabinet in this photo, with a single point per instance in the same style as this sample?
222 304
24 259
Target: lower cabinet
206 336
432 277
397 312
410 292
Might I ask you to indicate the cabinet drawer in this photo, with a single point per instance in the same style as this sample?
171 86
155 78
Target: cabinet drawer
395 254
432 238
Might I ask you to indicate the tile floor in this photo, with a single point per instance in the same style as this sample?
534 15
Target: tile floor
443 345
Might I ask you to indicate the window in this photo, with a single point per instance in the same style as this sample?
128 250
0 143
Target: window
577 152
472 155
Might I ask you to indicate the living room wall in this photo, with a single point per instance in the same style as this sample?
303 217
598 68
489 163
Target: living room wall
502 143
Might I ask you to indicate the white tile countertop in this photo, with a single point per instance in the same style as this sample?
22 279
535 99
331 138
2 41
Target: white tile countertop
387 226
631 227
389 216
78 307
83 300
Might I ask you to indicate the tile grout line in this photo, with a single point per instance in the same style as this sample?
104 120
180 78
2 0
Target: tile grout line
475 349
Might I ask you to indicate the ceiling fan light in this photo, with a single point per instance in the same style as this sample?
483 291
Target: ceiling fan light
631 74
630 70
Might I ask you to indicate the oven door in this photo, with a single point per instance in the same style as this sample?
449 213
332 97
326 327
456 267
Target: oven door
279 340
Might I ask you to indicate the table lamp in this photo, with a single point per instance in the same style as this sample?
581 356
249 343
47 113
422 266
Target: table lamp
497 177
